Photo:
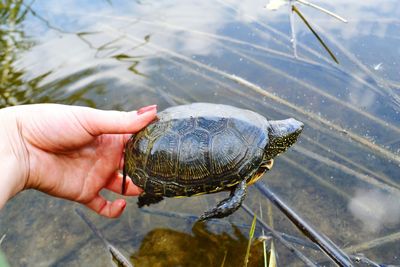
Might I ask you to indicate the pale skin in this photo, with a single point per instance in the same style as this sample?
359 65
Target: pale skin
68 152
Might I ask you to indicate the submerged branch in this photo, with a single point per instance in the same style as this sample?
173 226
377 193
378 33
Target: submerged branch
325 244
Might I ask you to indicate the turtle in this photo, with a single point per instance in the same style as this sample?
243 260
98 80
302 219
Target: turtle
203 148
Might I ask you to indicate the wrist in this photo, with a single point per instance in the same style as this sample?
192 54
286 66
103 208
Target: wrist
14 160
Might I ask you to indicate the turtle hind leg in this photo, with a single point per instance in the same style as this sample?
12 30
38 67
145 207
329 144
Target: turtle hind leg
229 205
148 199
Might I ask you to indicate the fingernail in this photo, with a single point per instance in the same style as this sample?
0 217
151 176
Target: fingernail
146 109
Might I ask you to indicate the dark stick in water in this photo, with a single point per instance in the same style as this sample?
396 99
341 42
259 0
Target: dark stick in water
193 218
326 245
117 255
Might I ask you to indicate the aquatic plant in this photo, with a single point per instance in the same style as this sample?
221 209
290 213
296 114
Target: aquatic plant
275 4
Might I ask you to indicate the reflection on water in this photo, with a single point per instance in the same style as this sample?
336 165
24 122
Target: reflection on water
375 209
14 89
342 176
166 247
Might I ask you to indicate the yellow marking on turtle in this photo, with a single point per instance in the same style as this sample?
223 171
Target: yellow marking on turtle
255 178
232 184
214 190
194 195
267 166
199 194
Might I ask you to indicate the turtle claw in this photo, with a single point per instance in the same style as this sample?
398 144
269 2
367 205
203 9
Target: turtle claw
229 205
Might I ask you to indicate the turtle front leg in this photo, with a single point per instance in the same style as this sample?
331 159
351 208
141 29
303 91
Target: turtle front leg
229 205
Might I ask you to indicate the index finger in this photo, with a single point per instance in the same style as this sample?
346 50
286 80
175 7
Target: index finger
98 122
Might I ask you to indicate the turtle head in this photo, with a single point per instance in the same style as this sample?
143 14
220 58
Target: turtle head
282 134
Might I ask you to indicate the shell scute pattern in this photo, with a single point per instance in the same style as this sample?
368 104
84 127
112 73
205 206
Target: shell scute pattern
162 159
139 177
174 189
212 125
228 151
197 150
252 134
157 187
136 149
155 130
199 155
194 159
196 189
181 127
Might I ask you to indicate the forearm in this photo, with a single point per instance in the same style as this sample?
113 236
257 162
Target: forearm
13 159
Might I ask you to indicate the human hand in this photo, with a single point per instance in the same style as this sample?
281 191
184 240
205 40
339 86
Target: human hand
69 152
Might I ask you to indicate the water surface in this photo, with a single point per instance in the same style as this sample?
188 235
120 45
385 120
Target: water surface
342 176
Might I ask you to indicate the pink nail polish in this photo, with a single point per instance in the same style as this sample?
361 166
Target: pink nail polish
146 109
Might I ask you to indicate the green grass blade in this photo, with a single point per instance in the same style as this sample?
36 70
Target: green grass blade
295 9
272 256
224 259
264 241
251 234
265 254
272 253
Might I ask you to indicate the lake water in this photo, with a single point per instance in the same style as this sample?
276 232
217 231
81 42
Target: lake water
343 176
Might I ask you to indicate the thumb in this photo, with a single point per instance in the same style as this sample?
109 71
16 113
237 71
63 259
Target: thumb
98 122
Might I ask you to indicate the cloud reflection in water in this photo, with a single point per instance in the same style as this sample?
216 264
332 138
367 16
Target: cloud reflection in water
376 209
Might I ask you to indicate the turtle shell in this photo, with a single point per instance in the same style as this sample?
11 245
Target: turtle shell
195 149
